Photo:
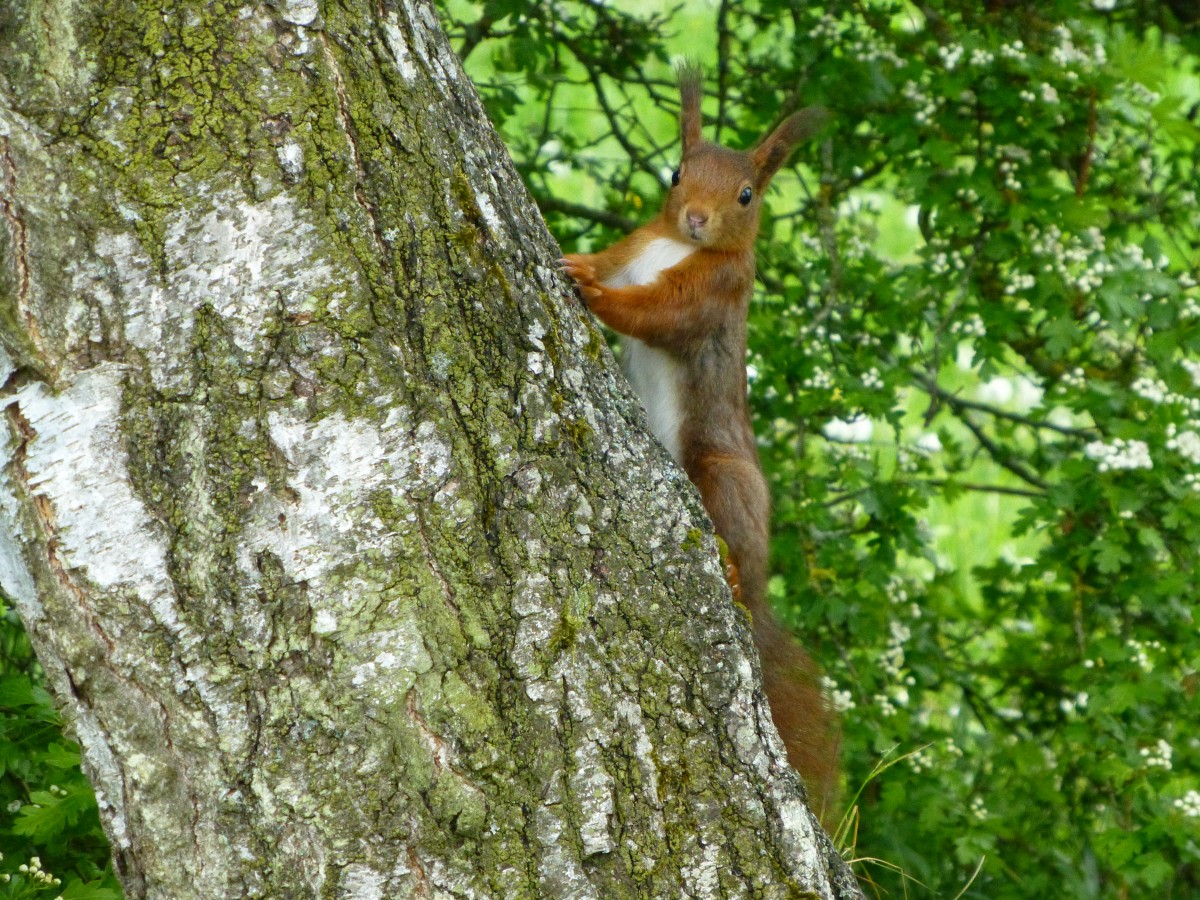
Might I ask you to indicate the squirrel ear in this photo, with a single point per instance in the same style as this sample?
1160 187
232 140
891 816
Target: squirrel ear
776 147
691 89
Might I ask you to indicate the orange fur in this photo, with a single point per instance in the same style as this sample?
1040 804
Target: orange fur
694 312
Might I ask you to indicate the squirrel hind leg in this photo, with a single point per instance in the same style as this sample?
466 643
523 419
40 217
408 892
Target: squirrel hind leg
736 498
734 577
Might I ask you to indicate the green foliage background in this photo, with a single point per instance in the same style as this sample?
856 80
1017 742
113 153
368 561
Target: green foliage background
51 841
976 367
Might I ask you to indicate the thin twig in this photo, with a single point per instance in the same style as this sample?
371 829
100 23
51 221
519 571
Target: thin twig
723 36
1001 456
1085 165
474 34
599 216
930 386
974 487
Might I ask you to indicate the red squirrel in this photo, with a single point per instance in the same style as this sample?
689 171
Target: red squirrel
679 289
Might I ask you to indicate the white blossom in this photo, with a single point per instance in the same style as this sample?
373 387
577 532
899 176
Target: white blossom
1189 804
978 810
1014 51
981 57
1186 444
1120 454
929 443
1157 756
970 326
819 380
856 430
1153 389
1140 655
950 54
1193 368
840 700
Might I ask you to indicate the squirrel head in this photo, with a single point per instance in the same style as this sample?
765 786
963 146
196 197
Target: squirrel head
716 193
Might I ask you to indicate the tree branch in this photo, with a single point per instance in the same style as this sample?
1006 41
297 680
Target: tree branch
959 403
599 216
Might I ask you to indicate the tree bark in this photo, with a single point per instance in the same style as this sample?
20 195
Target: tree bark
341 543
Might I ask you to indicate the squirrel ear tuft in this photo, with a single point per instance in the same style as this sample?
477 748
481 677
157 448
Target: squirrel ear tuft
776 147
691 89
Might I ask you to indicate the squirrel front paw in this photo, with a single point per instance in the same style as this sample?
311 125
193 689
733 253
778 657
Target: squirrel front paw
584 276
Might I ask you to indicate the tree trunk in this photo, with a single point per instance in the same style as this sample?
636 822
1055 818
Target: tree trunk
341 543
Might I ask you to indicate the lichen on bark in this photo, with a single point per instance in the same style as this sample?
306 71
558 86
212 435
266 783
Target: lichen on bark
341 541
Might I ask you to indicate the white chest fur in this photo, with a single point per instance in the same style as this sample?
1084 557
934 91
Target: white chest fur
655 375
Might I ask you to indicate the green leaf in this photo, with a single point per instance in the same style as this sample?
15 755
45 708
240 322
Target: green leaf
1118 847
1151 539
16 692
1062 335
1153 870
47 815
1085 212
94 890
1111 556
61 756
1120 299
952 489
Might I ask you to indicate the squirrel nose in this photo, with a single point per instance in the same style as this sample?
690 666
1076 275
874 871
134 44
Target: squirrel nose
696 220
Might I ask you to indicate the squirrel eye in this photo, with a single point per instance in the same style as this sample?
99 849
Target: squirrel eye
675 178
744 196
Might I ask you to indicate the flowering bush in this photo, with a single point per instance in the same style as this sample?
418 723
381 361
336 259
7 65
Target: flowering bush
975 362
51 843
